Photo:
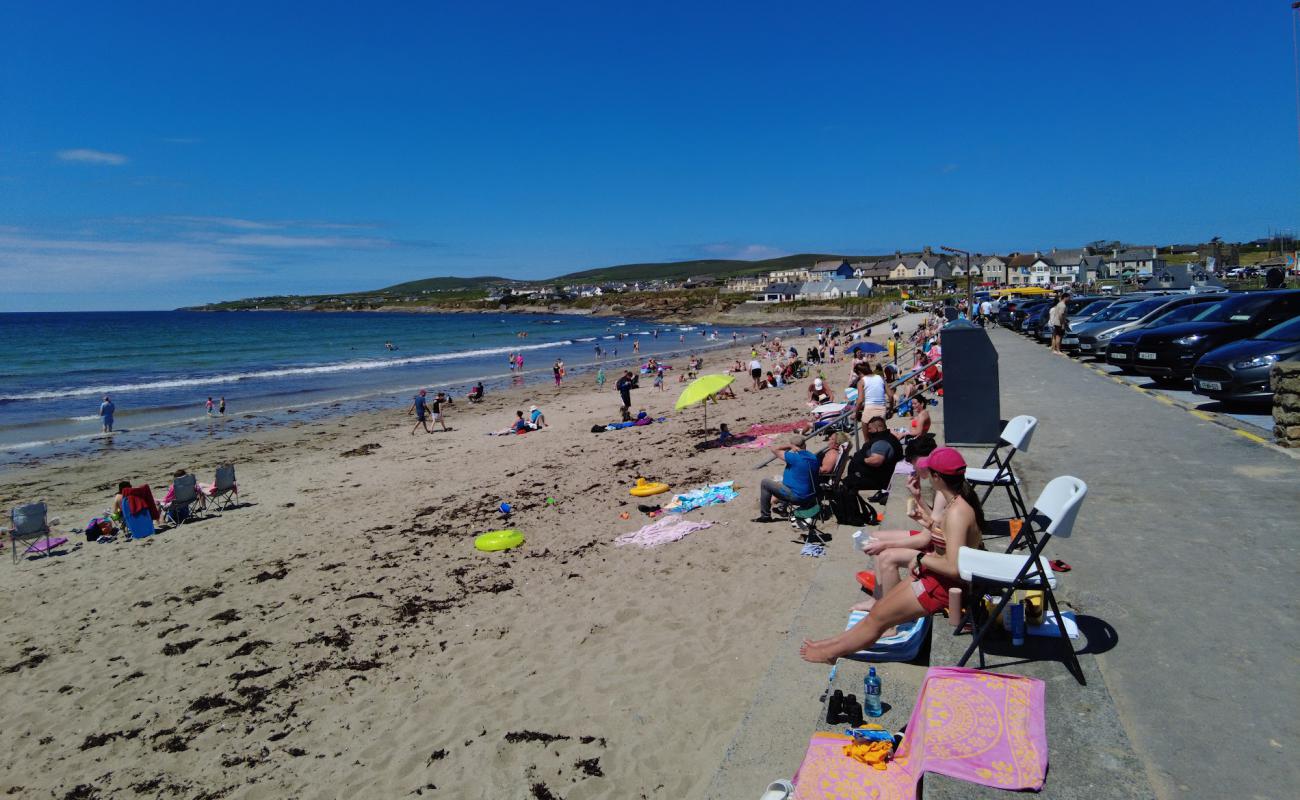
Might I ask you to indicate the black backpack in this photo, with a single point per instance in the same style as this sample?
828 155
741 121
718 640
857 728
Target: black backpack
851 509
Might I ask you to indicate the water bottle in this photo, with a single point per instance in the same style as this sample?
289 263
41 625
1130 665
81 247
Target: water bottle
1017 611
871 694
859 542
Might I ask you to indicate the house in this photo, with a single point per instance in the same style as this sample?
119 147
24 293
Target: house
1090 269
834 289
793 275
746 283
1183 277
1138 261
833 268
873 272
1019 267
778 293
994 270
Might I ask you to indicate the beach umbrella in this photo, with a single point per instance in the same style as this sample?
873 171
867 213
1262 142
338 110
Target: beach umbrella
699 390
867 347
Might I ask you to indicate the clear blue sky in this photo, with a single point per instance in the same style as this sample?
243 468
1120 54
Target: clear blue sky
157 154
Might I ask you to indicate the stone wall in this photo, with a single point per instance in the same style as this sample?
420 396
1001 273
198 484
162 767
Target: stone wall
1286 403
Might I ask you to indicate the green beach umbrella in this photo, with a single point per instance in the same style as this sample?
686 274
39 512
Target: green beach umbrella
699 390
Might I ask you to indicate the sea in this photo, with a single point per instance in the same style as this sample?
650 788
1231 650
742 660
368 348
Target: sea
283 367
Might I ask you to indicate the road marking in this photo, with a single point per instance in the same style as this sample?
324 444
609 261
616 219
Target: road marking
1250 436
1160 398
1197 413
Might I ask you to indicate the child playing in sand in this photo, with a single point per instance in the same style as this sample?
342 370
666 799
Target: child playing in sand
659 379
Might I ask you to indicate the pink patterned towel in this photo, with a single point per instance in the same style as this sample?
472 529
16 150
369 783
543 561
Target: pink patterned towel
758 429
667 529
971 725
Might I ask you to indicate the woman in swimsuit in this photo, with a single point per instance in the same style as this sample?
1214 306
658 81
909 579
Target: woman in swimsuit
933 574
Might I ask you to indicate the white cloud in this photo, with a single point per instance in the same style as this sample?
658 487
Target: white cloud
280 240
260 224
87 156
746 252
75 266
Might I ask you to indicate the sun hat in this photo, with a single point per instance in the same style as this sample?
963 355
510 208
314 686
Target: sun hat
817 383
532 408
944 460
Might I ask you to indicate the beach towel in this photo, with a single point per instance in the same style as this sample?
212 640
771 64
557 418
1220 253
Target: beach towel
758 429
662 531
981 727
712 495
758 442
140 498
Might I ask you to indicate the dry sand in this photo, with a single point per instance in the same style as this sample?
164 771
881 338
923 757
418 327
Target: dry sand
337 635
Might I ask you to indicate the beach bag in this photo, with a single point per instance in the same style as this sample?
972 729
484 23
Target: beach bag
98 528
850 509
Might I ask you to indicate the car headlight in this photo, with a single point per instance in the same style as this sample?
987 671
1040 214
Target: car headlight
1257 361
1189 340
1108 335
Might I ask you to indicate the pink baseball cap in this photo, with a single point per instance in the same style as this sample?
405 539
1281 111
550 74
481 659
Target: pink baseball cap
943 460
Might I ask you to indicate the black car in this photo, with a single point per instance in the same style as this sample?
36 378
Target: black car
1095 335
1240 371
1168 354
1014 313
1038 318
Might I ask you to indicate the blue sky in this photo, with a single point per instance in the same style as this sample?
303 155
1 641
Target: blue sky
159 154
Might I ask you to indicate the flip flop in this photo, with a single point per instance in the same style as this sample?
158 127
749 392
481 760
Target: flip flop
1060 566
868 581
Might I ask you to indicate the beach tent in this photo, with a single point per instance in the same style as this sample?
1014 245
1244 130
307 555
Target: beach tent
867 347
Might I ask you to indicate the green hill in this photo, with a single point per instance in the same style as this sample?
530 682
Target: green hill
446 283
678 270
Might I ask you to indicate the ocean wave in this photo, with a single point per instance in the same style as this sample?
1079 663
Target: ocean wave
235 377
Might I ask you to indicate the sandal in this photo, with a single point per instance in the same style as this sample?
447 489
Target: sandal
1060 566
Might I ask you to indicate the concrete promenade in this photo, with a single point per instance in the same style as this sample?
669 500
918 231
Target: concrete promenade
1187 548
1181 555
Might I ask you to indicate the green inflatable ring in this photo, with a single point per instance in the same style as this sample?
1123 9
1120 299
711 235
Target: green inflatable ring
499 540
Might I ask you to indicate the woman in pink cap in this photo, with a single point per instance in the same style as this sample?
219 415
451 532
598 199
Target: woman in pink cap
933 573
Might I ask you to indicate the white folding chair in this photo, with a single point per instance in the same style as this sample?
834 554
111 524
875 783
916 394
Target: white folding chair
1053 515
997 467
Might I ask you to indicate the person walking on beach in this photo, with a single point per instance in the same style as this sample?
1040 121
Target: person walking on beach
512 362
221 407
755 370
659 379
600 379
209 406
106 410
421 410
558 371
636 346
625 386
1056 318
439 400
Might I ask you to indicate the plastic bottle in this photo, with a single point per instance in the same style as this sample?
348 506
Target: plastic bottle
859 541
871 694
1017 611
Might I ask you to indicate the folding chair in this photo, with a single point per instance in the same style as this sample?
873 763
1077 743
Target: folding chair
224 492
997 468
185 493
1005 573
30 525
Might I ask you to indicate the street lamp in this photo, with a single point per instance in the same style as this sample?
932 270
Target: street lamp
970 294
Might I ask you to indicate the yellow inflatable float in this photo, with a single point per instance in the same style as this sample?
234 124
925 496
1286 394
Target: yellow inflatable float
645 489
499 540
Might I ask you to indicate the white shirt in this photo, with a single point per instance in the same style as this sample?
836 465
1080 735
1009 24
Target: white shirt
874 391
756 364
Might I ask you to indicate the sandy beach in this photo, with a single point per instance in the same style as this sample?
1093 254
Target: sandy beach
338 635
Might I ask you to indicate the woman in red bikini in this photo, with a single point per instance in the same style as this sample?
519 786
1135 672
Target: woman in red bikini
933 573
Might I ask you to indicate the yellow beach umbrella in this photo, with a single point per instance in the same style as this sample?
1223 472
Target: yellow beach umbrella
700 389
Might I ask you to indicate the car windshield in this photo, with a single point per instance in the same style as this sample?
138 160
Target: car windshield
1288 331
1239 309
1093 308
1140 310
1114 311
1191 311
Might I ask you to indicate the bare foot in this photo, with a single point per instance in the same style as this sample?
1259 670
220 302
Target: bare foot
864 605
813 652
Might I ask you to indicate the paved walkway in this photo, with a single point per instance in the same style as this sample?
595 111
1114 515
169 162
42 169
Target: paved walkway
1187 546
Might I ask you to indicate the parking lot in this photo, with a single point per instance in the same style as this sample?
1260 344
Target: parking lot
1257 417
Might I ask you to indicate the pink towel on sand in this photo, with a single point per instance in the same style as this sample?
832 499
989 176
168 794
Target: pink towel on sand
971 725
667 529
758 429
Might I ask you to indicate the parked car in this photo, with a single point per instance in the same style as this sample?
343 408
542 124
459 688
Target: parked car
1072 320
1168 354
1094 336
1239 371
1013 315
1035 324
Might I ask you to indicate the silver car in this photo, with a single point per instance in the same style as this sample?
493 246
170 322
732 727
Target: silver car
1094 336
